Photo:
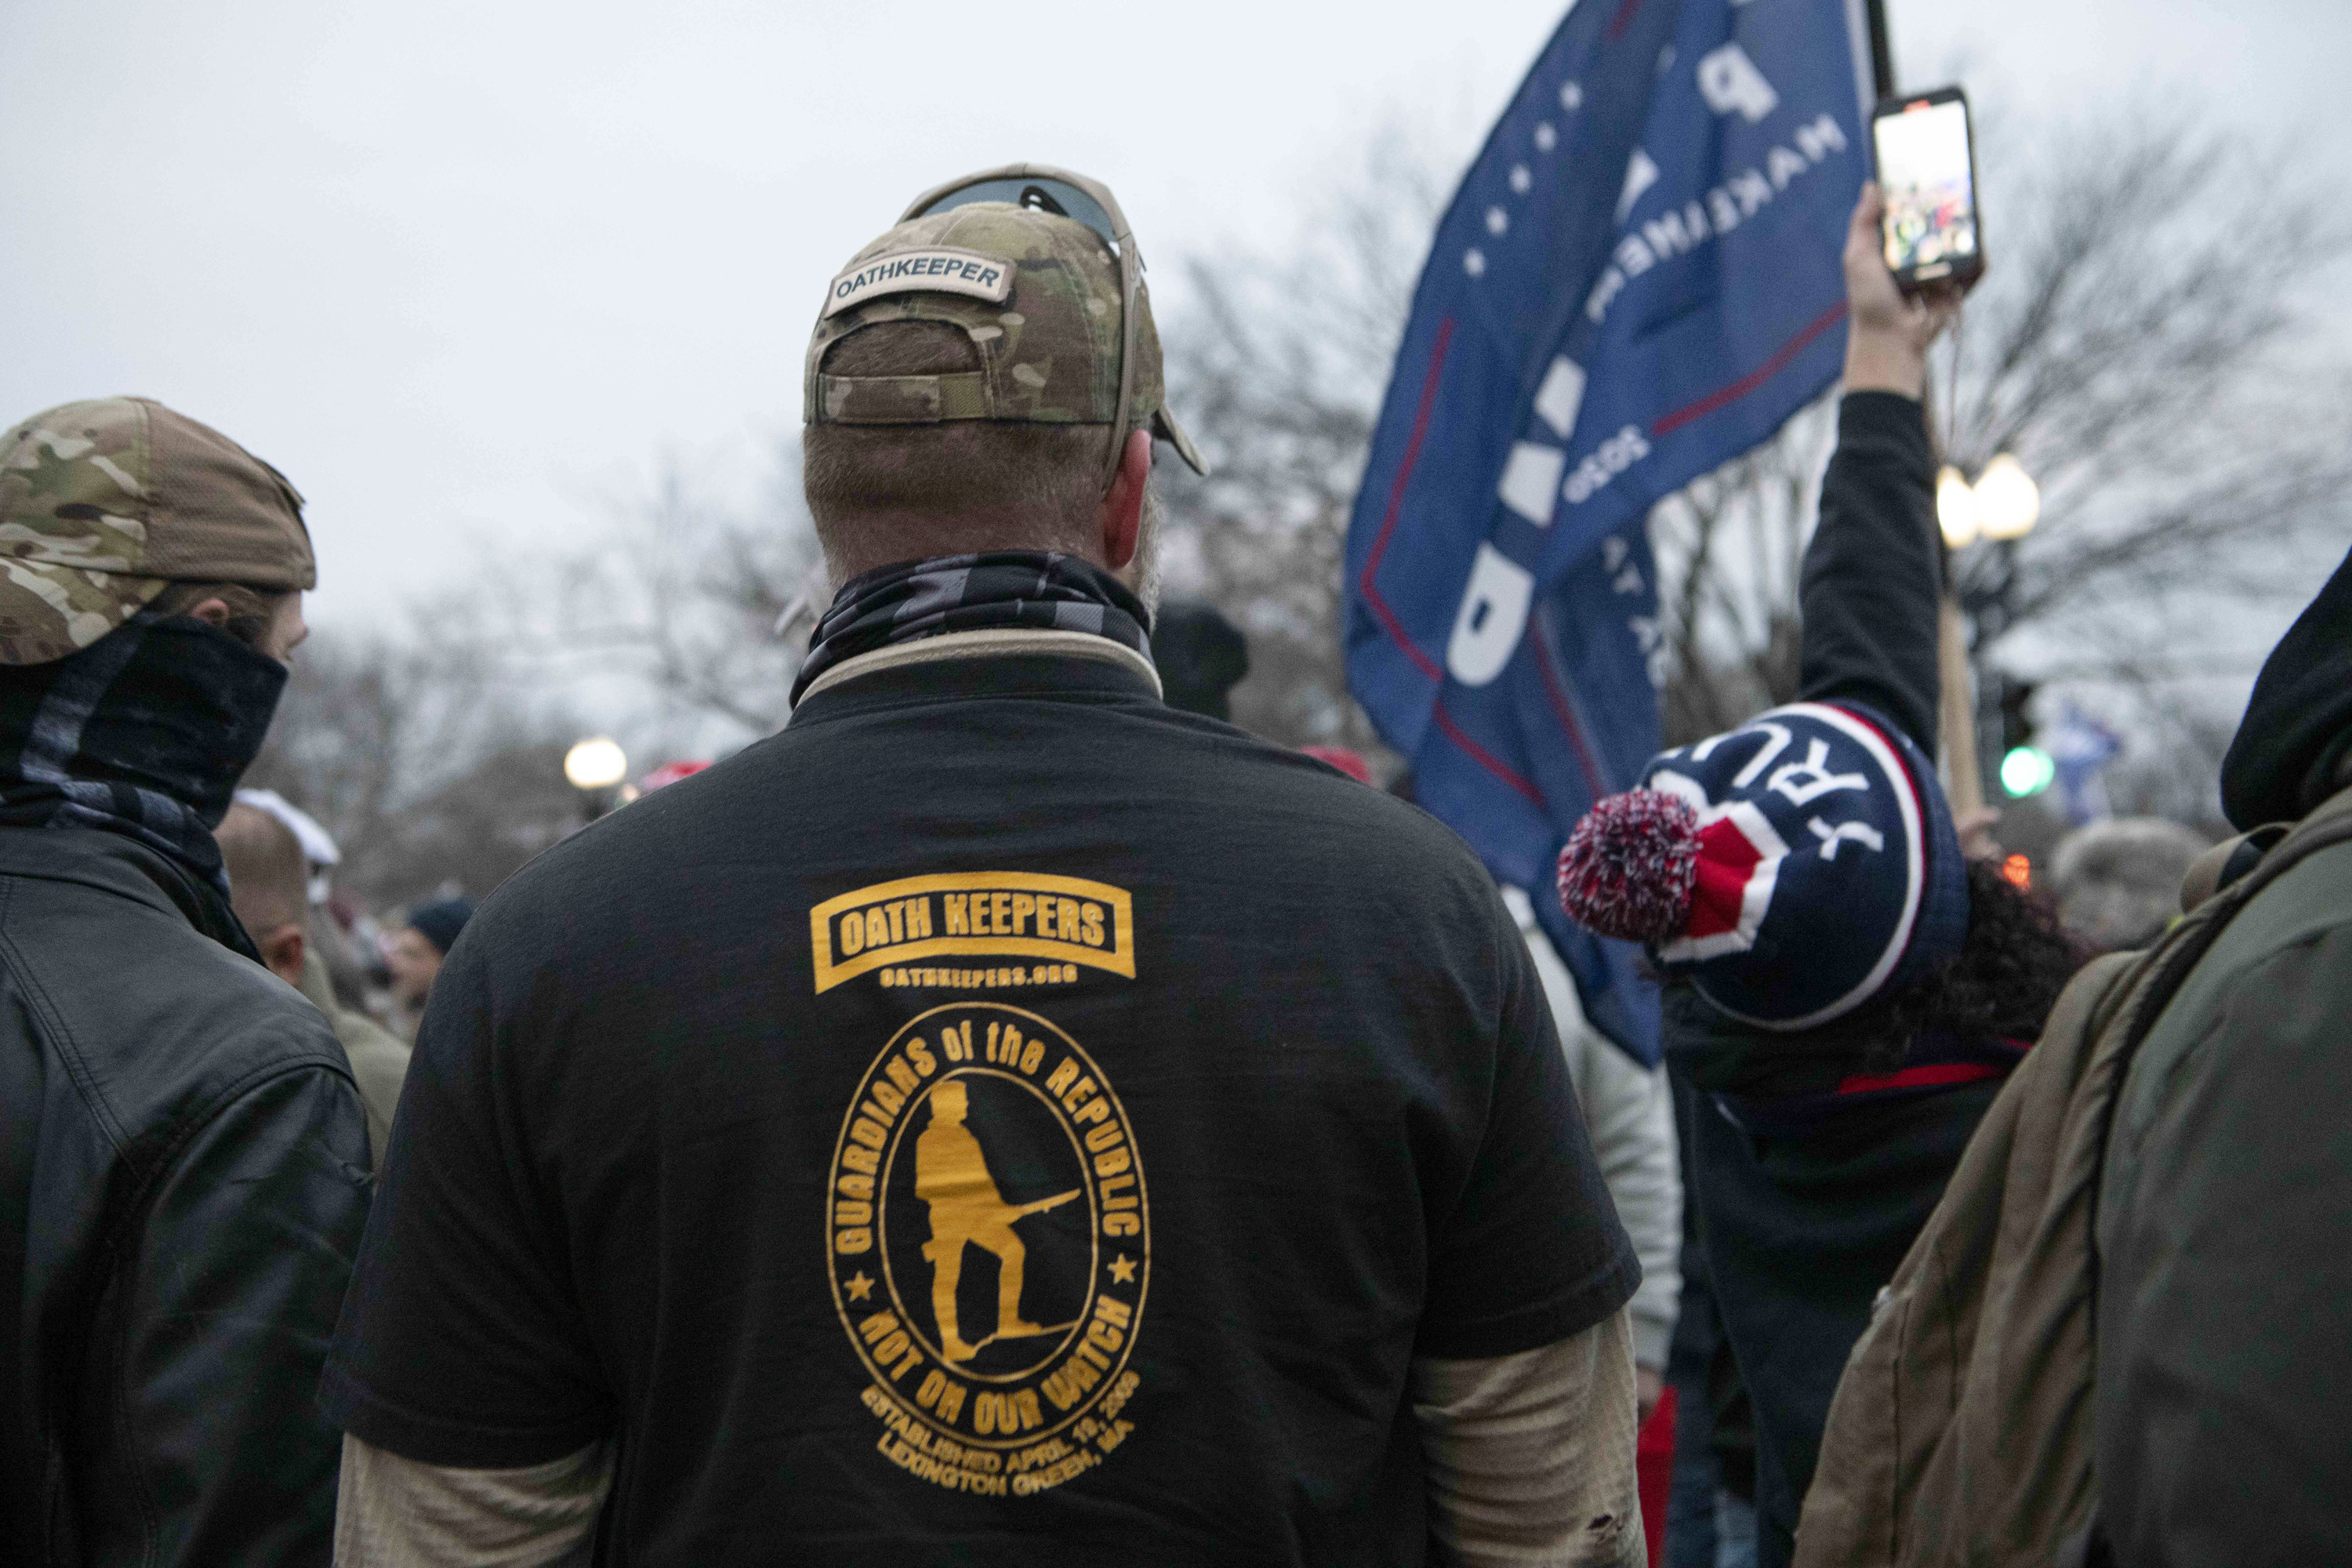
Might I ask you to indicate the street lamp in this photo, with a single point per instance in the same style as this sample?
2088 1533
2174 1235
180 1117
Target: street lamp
596 762
2003 505
1999 510
1955 508
2009 503
594 765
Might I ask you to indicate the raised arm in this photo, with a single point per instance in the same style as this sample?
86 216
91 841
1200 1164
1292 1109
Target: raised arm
1873 575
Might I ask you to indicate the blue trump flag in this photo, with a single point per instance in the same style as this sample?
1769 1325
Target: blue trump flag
1638 280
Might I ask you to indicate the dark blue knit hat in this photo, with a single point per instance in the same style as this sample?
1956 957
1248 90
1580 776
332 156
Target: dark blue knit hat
1792 868
439 921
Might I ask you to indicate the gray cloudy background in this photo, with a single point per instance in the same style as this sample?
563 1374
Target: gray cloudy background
464 270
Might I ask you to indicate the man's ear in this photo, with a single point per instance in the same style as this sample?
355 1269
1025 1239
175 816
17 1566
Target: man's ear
214 612
282 953
1121 516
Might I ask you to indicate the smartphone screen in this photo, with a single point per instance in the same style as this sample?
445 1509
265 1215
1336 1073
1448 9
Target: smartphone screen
1925 174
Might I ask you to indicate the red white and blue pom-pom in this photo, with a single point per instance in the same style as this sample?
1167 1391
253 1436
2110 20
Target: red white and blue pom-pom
1630 865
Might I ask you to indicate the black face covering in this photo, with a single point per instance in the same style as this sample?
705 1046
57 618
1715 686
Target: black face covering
144 732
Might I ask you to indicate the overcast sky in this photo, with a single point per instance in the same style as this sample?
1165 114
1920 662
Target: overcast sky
461 269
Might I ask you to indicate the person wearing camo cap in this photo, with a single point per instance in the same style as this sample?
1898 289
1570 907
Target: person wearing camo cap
182 1154
1001 1118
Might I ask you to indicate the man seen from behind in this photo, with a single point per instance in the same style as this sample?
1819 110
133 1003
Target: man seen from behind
183 1156
999 1119
268 886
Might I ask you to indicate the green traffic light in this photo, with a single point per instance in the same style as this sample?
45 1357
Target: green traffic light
2027 770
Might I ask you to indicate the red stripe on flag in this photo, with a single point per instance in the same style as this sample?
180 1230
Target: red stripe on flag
1567 717
1754 378
1371 593
1396 503
1483 758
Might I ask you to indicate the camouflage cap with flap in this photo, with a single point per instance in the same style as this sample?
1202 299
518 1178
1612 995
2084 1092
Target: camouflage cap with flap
1037 293
104 502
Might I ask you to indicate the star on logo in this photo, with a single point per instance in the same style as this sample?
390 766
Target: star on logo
859 1286
1122 1269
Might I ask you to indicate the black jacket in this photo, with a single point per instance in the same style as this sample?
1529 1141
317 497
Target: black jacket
1801 1232
183 1178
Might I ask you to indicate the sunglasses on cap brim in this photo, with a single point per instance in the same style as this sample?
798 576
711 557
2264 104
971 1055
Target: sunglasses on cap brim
1063 195
1043 188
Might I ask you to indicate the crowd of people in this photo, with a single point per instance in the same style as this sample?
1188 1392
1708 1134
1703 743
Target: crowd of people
1013 1114
368 984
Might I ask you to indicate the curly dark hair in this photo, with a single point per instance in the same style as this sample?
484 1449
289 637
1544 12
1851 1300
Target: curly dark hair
1999 986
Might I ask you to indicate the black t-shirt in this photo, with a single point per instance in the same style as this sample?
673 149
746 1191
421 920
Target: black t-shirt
997 1110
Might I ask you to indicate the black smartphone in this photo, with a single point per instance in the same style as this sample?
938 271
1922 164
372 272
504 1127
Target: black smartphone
1927 173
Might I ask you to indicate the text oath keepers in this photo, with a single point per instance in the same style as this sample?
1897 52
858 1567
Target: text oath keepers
974 913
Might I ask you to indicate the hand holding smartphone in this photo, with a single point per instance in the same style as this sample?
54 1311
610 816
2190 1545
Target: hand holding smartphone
1926 170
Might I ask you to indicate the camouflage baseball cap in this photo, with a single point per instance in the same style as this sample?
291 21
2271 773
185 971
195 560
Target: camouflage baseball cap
103 502
1037 293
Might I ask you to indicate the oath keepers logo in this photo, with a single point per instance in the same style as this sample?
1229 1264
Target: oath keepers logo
895 926
990 1248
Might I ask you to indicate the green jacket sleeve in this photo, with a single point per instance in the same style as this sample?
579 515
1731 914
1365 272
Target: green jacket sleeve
2222 1378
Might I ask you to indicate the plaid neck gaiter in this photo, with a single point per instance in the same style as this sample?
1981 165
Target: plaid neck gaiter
994 591
144 732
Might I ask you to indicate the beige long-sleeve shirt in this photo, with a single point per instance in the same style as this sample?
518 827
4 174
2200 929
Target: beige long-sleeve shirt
1531 1465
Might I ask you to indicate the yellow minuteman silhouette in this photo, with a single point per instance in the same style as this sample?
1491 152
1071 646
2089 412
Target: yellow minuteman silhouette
951 1179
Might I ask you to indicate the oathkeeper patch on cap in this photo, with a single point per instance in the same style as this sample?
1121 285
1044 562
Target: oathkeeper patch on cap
1038 297
1792 868
939 272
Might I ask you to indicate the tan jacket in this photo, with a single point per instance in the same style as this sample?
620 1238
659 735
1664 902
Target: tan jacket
1963 1420
1963 1429
379 1060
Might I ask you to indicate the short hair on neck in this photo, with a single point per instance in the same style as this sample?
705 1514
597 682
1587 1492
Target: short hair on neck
886 493
268 878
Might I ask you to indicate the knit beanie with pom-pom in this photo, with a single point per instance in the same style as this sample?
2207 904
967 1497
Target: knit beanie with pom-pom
1791 869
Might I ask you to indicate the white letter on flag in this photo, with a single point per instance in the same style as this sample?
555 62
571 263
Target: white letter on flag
1729 81
1530 484
1494 613
1561 395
